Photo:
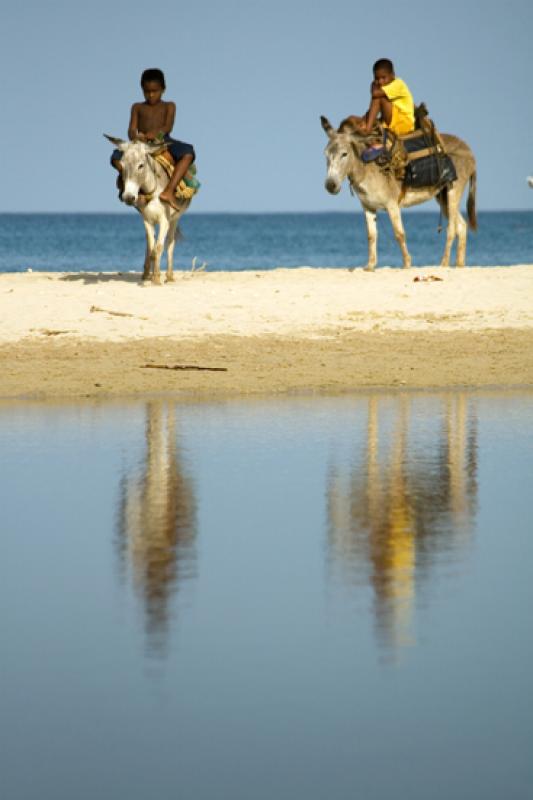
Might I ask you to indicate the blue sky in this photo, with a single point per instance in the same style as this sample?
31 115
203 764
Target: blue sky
250 80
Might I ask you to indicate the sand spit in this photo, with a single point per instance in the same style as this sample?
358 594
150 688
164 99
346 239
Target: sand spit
87 334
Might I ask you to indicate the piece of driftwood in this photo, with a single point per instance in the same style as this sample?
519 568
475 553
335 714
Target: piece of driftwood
48 331
184 366
115 313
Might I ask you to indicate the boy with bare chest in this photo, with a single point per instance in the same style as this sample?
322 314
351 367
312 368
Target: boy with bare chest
153 120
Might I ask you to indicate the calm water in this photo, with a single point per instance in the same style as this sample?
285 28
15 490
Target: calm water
72 242
299 598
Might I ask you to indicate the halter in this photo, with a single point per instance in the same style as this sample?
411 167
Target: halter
150 195
350 184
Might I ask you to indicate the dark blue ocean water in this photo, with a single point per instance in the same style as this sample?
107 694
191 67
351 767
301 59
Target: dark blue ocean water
110 242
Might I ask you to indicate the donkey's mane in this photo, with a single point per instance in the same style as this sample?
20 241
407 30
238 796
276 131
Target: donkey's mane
347 126
358 140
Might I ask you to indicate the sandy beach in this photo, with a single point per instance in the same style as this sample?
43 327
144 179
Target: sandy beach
106 334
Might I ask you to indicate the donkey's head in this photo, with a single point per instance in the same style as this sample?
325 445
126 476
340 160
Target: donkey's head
137 172
342 152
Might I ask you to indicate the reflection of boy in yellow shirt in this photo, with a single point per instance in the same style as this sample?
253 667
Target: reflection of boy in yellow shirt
391 101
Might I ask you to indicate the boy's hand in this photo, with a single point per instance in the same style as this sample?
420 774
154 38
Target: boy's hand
149 136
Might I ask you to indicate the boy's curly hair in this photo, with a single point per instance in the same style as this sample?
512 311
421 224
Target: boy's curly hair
384 63
153 75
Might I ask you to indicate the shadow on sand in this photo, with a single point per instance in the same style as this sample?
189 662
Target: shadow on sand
104 277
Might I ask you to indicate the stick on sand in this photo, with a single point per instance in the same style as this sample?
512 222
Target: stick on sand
184 366
115 313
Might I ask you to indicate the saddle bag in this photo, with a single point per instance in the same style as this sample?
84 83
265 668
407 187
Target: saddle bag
427 161
426 166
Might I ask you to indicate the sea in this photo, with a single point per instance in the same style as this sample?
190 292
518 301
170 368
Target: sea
238 242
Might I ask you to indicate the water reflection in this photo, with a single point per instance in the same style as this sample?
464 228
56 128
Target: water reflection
405 502
157 523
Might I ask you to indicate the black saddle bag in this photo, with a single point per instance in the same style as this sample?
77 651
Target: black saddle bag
427 166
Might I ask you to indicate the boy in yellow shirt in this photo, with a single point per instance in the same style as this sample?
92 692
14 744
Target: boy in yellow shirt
391 102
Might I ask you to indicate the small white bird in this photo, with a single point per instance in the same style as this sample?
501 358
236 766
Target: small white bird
530 181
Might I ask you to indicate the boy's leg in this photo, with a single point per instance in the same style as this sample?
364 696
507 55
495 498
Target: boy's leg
383 106
386 110
180 170
380 105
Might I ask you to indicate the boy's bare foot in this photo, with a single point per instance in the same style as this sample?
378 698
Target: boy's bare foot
168 197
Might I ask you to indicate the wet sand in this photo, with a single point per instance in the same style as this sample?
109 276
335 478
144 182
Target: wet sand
68 335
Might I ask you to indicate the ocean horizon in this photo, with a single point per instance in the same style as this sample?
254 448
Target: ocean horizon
236 241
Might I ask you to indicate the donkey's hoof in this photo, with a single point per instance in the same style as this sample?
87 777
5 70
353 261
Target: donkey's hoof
369 268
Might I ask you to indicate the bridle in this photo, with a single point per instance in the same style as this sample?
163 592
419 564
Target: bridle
149 195
347 175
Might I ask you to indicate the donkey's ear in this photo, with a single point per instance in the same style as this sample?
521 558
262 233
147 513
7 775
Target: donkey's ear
119 143
328 127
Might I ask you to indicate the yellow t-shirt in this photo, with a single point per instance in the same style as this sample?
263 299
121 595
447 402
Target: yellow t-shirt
402 101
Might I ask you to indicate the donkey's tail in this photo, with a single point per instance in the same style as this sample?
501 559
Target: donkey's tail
471 202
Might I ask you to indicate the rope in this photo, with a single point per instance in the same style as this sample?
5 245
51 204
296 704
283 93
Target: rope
150 195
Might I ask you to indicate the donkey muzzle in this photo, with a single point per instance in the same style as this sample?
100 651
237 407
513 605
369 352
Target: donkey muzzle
332 186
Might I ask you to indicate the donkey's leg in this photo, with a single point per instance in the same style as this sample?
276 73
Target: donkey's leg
462 230
171 242
372 233
397 226
150 242
451 231
158 250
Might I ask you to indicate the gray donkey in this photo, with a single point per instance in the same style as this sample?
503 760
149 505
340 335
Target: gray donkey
144 180
377 190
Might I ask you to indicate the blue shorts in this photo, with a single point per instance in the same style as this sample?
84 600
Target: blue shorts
177 150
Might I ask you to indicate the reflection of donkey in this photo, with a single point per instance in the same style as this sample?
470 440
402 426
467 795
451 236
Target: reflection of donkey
403 505
379 191
144 180
157 521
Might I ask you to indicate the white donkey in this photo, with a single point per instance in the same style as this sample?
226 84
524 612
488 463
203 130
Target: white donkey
144 180
377 190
